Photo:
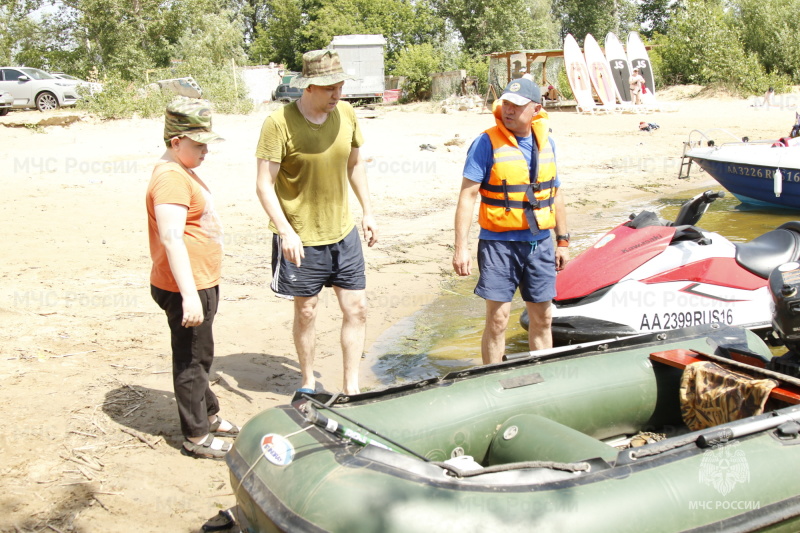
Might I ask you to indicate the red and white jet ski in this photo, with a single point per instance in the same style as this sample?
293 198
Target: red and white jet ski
649 275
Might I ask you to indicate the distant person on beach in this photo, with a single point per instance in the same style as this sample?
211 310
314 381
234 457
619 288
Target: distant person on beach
308 154
636 83
512 167
186 247
769 98
552 95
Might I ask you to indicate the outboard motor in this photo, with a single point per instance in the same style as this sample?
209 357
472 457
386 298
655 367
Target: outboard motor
784 286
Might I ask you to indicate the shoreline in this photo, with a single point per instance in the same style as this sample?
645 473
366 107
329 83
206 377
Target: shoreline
86 367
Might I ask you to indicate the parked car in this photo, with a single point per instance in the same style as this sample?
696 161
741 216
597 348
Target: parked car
34 88
92 87
284 93
6 100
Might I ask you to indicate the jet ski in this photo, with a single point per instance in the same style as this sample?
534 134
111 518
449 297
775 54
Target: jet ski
649 275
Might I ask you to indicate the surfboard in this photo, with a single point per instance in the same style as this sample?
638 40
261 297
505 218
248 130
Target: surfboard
638 58
578 74
599 72
619 66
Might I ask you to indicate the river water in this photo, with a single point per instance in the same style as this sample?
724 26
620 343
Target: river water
445 336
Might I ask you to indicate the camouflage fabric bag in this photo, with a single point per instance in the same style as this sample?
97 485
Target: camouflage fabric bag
711 395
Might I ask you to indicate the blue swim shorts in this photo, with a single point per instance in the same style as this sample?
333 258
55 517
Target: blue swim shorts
506 265
340 264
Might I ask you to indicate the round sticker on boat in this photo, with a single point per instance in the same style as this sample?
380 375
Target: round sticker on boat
605 240
277 449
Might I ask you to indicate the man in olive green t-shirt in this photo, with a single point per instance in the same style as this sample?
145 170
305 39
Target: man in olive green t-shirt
307 154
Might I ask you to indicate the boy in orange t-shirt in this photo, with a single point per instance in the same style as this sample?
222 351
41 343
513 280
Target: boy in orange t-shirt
186 248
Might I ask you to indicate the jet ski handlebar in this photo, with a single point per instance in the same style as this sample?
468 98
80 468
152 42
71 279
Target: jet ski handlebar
692 210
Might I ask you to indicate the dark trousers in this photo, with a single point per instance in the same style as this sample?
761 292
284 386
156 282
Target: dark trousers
192 355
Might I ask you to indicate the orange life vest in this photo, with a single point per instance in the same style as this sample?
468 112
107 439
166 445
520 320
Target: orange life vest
503 196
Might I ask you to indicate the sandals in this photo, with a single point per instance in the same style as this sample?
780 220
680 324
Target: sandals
214 428
223 521
208 448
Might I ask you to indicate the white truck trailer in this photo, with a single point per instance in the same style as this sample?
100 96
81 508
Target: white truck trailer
362 57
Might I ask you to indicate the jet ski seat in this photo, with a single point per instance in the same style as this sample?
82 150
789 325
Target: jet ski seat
781 245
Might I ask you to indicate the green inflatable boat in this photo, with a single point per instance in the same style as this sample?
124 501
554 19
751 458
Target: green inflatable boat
583 439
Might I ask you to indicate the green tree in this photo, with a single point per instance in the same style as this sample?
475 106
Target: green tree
124 37
401 22
702 47
215 39
654 16
580 17
279 37
487 26
251 14
293 27
16 26
774 37
114 35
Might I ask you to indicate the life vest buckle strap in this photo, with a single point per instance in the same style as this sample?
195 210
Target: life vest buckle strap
505 196
532 189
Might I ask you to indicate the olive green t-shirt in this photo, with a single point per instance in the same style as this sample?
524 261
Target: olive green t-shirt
312 184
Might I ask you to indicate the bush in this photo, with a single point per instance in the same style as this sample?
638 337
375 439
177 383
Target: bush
125 99
475 66
563 83
222 85
417 62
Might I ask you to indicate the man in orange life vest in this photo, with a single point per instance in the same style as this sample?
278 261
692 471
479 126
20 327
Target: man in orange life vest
512 166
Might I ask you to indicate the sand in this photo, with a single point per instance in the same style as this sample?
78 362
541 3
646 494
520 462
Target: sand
91 437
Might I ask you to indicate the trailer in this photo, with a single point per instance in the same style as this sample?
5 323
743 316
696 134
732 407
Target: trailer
362 57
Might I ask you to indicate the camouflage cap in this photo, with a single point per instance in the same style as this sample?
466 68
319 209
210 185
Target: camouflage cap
189 117
321 67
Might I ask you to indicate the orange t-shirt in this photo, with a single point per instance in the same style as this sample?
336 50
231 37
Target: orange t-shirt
171 184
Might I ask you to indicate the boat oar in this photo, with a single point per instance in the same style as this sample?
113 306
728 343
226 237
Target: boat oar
334 427
723 435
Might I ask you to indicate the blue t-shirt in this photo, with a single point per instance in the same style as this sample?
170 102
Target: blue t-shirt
480 159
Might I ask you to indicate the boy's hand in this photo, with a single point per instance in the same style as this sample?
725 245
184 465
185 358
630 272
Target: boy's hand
192 311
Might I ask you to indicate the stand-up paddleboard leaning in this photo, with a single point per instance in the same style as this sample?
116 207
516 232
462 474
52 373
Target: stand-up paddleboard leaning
639 59
619 66
512 166
599 72
578 74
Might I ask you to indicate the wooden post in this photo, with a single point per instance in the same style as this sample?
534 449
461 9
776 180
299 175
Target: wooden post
235 82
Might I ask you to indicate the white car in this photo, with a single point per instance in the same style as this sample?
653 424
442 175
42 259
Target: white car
91 86
6 100
34 88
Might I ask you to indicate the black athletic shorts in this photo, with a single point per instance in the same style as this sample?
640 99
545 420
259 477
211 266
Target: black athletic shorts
340 264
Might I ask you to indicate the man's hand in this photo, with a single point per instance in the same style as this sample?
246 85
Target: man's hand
292 248
192 311
462 258
562 257
462 262
370 229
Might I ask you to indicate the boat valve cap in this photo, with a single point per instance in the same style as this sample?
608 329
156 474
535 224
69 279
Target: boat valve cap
789 430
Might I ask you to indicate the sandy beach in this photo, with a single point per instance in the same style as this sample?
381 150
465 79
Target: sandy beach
91 441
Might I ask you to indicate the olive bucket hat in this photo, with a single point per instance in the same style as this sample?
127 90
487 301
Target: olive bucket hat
189 117
321 67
